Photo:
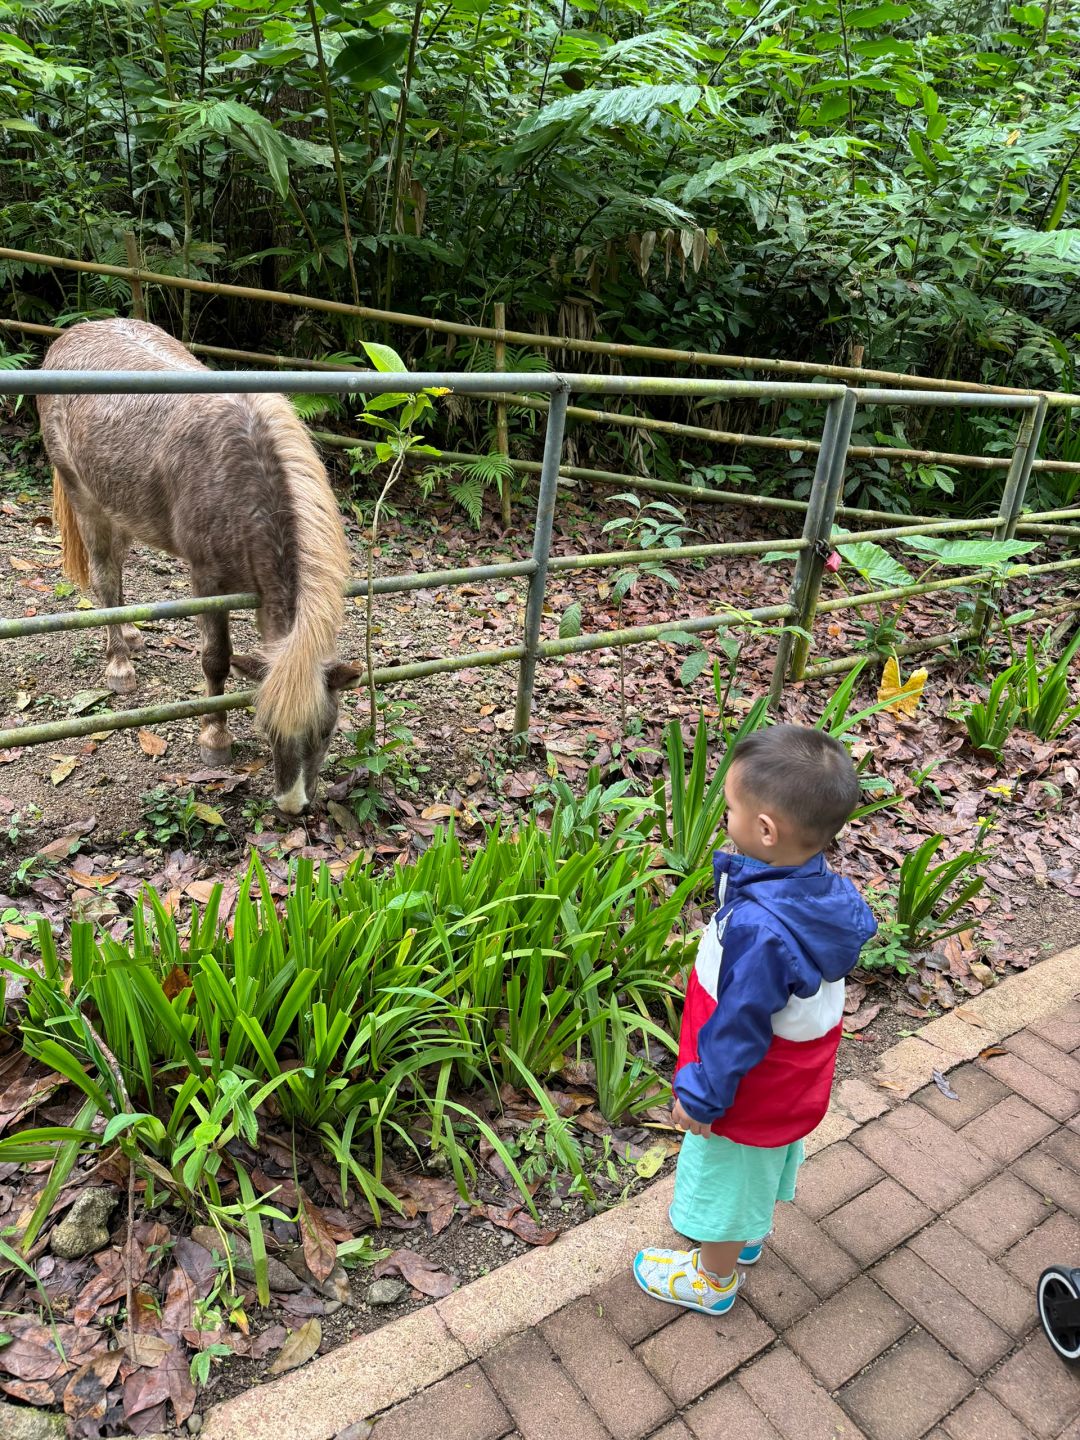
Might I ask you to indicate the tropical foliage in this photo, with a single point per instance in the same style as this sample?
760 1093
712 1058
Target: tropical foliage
887 181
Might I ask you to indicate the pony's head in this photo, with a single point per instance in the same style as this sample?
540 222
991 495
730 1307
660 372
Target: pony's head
298 756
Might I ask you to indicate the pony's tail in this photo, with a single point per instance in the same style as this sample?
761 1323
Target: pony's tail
290 699
293 697
73 556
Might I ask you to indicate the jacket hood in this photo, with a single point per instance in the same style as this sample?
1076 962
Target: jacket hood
824 918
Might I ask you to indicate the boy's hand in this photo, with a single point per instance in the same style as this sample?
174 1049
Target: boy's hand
682 1121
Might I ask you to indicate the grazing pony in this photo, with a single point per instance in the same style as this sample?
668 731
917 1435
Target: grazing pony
232 485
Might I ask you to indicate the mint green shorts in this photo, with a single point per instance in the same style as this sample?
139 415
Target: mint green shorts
726 1191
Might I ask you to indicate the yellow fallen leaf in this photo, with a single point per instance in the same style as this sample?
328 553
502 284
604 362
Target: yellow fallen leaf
209 814
64 769
905 697
200 891
93 882
151 744
651 1162
298 1348
438 812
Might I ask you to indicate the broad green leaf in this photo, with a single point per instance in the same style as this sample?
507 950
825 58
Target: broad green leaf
876 566
383 358
968 552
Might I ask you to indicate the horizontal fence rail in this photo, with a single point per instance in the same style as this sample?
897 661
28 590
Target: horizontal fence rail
808 551
137 276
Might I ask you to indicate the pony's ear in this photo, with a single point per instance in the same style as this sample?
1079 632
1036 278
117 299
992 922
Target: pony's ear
340 676
251 667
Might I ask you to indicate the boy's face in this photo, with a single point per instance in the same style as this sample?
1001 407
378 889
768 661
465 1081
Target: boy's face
751 832
773 839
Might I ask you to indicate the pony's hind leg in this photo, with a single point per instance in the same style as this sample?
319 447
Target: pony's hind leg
107 547
215 742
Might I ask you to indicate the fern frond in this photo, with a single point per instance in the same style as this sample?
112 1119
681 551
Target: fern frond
468 492
491 469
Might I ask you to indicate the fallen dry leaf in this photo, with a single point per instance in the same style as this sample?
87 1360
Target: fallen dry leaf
63 770
991 1051
320 1248
86 1397
93 882
151 744
864 1016
944 1086
298 1349
419 1272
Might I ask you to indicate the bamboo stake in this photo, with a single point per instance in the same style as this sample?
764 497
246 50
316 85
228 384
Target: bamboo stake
502 436
138 307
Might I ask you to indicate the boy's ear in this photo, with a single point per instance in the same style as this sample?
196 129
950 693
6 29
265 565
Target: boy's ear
767 826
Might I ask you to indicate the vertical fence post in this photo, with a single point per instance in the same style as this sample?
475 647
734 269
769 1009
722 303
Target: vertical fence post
817 528
534 606
138 306
502 435
1019 472
1012 496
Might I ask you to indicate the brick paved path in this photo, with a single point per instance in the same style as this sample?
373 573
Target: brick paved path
895 1300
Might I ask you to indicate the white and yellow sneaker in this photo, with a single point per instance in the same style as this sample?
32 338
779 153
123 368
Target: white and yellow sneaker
675 1277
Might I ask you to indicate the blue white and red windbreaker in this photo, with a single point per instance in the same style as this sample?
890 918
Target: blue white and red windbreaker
765 1001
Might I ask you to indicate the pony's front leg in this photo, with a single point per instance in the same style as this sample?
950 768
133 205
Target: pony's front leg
215 742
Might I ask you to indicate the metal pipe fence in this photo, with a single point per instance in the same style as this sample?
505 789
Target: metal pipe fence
820 515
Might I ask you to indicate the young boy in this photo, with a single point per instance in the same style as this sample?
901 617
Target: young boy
764 1011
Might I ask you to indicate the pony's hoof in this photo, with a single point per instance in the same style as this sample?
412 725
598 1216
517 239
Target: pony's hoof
215 755
120 677
133 638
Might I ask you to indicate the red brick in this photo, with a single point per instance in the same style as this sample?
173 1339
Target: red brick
728 1413
1041 1391
777 1293
810 1253
832 1177
907 1391
537 1391
606 1371
785 1391
1007 1129
699 1351
634 1314
1061 1029
999 1214
977 1091
981 1417
1050 1178
1045 1057
1065 1146
848 1331
939 1308
961 1262
461 1407
925 1155
1057 1236
877 1221
1056 1100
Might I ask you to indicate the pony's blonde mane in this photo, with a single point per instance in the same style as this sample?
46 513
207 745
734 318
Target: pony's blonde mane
291 698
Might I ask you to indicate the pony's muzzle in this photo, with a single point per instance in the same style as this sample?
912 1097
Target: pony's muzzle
295 800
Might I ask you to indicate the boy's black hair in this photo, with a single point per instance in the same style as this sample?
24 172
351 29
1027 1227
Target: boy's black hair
802 774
